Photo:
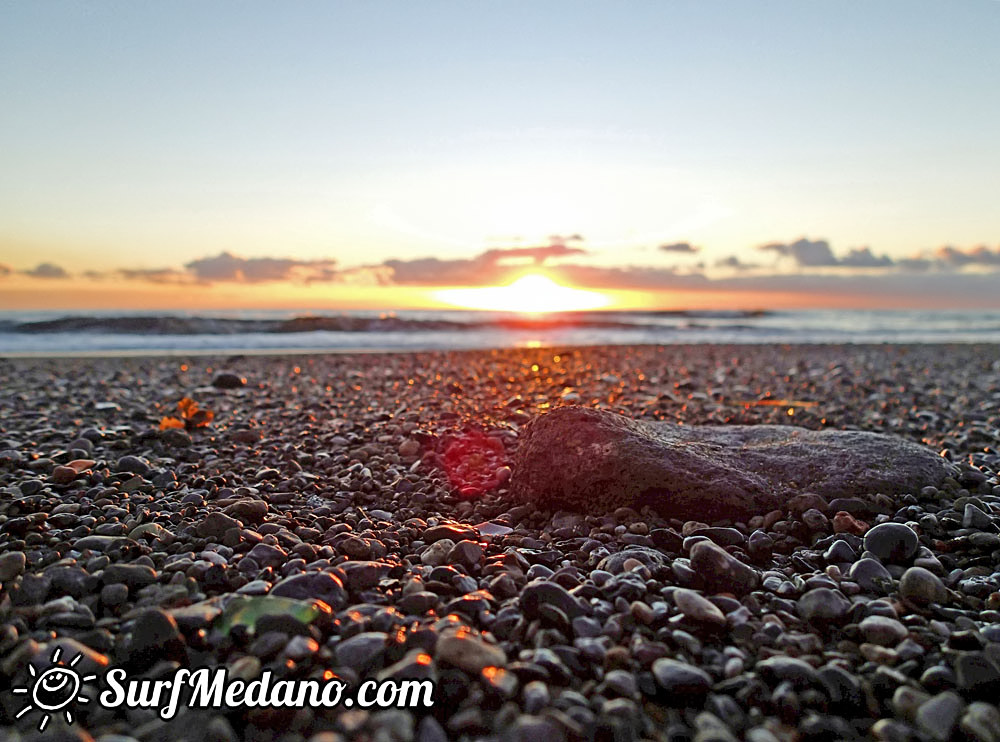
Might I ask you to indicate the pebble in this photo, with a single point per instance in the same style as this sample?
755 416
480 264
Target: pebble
823 605
892 542
871 576
215 525
154 637
267 555
469 653
133 464
542 592
467 553
362 652
887 632
939 716
973 517
721 536
791 670
922 586
698 608
249 511
722 572
313 585
133 576
680 681
981 722
11 565
228 380
437 553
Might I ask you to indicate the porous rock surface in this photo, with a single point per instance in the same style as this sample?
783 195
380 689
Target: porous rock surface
588 459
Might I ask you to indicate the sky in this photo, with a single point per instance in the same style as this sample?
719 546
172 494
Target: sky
369 155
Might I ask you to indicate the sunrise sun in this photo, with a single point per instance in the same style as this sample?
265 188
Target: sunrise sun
530 294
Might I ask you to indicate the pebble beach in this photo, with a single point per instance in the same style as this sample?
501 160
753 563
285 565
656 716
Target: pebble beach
184 512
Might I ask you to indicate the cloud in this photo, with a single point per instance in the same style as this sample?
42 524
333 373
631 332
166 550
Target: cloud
863 257
680 247
629 277
228 267
159 275
46 270
817 254
539 255
953 256
804 252
734 263
437 272
486 269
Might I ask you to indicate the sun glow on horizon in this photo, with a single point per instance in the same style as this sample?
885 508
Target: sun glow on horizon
530 294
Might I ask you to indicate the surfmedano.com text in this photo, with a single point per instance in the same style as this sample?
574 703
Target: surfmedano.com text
212 688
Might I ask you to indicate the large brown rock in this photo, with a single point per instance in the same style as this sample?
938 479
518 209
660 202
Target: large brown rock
586 459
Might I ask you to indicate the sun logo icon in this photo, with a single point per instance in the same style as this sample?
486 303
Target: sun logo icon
54 690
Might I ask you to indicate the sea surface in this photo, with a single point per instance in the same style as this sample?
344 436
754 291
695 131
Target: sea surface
106 333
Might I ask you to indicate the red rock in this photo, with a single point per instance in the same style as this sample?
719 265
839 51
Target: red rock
64 474
844 522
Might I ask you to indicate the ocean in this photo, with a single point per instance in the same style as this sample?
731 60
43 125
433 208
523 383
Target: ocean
250 331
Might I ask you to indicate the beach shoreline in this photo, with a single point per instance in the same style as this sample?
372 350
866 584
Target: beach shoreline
334 464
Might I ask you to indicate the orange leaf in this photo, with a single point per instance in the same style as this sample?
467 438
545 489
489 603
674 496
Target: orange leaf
187 406
170 422
200 419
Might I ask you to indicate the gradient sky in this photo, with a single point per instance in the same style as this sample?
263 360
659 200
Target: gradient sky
351 142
